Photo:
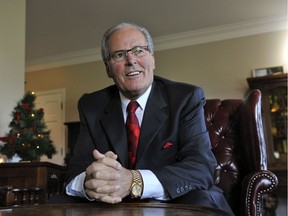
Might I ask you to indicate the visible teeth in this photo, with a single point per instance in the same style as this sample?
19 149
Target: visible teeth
133 73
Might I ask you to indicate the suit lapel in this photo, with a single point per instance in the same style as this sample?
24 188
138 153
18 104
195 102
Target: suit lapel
113 125
153 119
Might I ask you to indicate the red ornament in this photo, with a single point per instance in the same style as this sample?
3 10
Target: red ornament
3 139
26 106
9 139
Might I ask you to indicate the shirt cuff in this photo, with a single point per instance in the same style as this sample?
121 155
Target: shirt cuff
152 187
76 187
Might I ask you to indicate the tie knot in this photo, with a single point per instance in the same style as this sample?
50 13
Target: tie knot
132 106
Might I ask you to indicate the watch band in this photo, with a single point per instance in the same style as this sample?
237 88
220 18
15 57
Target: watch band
136 189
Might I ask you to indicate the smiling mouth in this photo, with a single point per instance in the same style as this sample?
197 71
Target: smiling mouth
133 73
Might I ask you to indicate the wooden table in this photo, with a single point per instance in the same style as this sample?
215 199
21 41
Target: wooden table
121 209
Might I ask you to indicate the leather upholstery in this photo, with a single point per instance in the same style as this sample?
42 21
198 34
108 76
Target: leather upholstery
237 138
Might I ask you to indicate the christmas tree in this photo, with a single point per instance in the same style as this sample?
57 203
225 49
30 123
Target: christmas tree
28 136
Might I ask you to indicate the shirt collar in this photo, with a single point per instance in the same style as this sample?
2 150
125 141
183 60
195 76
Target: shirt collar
141 100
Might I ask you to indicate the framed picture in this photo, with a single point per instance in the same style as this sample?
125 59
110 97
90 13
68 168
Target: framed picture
267 71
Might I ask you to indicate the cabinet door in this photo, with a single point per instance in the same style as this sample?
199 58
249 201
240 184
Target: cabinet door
277 124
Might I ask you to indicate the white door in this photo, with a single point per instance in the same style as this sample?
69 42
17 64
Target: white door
53 104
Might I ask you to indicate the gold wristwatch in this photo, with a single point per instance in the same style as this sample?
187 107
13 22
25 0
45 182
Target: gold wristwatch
137 185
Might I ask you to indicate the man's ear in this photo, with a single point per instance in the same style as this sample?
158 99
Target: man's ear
153 61
108 71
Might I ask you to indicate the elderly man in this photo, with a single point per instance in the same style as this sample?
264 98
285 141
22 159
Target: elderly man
144 137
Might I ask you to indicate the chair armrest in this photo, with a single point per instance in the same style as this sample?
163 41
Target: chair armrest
254 186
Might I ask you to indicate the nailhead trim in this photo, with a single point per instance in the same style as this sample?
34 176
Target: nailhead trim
260 193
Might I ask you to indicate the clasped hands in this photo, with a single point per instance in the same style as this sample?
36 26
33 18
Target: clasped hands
106 180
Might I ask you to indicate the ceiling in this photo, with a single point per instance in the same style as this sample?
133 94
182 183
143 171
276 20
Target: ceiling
55 27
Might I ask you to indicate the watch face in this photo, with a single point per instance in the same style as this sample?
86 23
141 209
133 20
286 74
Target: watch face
136 190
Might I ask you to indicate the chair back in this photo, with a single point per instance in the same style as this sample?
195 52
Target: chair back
237 138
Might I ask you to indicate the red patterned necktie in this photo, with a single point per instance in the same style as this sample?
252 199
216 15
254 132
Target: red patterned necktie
133 132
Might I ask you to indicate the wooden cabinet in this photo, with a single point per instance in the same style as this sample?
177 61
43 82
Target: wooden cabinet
41 175
274 110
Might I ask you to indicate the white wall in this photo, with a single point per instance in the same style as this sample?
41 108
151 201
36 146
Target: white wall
12 58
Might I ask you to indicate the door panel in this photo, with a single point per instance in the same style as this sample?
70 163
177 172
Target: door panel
52 103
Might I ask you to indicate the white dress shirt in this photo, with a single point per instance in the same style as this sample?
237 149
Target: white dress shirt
152 189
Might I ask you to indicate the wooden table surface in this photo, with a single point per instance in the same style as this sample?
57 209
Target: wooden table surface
121 209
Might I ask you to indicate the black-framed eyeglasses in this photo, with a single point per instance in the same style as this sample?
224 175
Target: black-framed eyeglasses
120 55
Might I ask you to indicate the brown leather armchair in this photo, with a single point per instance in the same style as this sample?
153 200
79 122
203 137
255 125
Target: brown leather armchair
237 138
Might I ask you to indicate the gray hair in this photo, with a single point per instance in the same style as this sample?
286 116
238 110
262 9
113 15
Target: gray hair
107 34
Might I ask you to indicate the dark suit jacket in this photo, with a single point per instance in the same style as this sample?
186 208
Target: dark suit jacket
174 143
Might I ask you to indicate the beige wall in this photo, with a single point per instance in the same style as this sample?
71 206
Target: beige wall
221 68
12 58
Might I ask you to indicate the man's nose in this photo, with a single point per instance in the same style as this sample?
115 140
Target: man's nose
130 58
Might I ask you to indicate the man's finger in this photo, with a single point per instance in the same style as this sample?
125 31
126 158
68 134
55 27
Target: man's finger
112 200
109 162
93 195
107 189
111 154
97 155
106 175
103 197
